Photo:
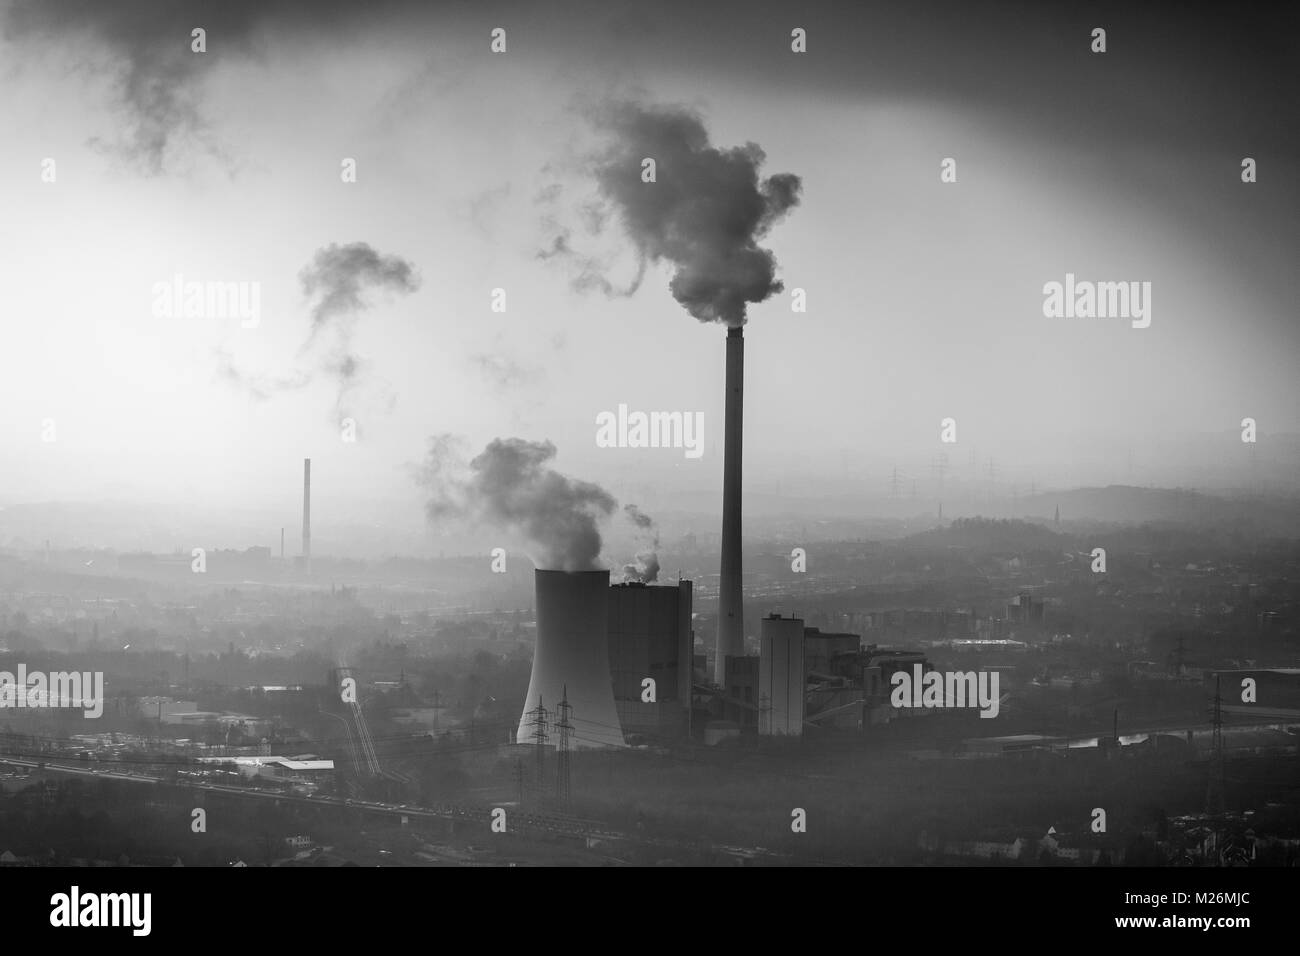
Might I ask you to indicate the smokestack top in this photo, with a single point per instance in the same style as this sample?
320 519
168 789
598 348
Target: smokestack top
736 330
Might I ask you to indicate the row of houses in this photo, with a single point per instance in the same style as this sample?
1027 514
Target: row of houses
1090 849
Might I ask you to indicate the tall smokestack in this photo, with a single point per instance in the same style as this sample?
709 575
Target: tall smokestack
306 514
731 617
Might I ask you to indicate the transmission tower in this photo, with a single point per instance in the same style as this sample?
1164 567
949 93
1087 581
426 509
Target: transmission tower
519 778
938 468
562 724
364 742
538 718
893 484
1214 797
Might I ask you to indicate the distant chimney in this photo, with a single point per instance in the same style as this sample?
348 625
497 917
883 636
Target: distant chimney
306 514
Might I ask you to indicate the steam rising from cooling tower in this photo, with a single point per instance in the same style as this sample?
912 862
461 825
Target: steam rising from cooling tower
645 568
511 486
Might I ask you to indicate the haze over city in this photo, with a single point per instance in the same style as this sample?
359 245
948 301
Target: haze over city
922 303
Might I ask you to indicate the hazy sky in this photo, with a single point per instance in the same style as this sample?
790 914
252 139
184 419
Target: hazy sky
924 299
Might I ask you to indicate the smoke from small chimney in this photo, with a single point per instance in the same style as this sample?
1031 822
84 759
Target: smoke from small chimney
645 568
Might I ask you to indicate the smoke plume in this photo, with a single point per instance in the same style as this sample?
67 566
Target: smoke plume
639 518
154 74
259 387
704 213
510 486
341 280
645 568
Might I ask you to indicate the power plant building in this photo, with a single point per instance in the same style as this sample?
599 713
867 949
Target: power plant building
828 655
650 637
781 676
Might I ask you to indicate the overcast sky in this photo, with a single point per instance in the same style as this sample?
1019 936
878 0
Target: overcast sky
924 299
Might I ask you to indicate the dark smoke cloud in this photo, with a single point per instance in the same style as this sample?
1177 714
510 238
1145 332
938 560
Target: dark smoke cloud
259 387
645 568
341 280
589 273
155 70
510 486
638 517
155 74
704 214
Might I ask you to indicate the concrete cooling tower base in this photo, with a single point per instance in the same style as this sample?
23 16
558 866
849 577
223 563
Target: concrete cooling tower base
573 652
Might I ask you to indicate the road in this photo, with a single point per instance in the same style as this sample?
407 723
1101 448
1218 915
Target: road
516 819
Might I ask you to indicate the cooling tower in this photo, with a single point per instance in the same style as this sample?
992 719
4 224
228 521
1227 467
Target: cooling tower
573 651
731 616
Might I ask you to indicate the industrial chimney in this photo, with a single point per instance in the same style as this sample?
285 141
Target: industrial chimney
306 514
573 650
731 616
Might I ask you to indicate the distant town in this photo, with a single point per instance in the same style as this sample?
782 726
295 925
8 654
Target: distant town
375 713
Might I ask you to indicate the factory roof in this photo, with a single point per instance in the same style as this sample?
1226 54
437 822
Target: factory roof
285 762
